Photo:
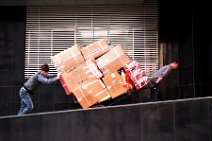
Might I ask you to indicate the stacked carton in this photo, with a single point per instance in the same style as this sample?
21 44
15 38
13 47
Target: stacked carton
68 59
115 84
81 73
112 61
91 73
137 75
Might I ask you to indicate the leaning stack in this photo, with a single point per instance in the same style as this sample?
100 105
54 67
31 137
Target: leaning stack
91 74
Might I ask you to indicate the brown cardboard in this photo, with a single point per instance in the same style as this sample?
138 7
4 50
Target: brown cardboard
90 93
84 99
90 69
68 59
113 60
95 50
115 84
84 72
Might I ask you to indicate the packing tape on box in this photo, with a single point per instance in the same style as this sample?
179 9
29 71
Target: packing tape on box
102 63
114 82
104 98
91 52
59 60
60 66
103 85
118 54
99 93
90 83
92 69
72 56
104 46
113 75
80 98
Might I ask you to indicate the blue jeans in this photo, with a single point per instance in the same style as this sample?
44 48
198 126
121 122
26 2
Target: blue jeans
26 102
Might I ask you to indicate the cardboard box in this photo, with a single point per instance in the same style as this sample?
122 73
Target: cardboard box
113 60
115 84
68 59
66 83
90 93
84 72
95 50
137 74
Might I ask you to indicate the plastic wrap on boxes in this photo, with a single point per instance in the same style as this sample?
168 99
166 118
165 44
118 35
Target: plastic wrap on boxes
115 84
137 74
68 59
113 60
90 93
84 72
95 50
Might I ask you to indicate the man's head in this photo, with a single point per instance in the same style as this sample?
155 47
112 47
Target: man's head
175 64
44 69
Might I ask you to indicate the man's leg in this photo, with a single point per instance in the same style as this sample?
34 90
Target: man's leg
154 93
26 102
23 105
154 90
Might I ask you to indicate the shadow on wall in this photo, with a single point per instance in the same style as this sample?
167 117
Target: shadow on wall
169 87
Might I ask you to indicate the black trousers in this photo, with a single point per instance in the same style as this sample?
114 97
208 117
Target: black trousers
154 90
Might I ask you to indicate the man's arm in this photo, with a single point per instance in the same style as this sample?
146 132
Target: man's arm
52 75
158 80
165 71
45 80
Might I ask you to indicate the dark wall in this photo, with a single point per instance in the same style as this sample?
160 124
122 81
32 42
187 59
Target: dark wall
203 52
185 26
175 34
185 120
12 44
12 33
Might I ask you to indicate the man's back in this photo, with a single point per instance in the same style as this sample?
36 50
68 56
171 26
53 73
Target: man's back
163 71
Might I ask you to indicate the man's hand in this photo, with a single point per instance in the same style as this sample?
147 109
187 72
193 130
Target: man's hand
58 75
158 80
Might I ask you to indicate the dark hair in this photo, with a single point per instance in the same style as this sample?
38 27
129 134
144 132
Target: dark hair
175 61
44 67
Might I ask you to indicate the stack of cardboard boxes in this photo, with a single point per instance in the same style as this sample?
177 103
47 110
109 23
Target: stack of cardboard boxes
91 73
